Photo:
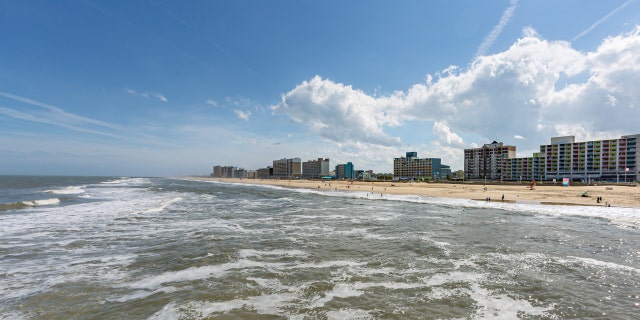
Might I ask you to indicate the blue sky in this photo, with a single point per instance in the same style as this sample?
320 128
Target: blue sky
166 88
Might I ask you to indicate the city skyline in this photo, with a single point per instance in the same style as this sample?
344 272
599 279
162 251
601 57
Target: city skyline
162 88
562 158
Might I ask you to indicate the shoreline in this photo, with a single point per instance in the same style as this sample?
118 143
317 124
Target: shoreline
615 196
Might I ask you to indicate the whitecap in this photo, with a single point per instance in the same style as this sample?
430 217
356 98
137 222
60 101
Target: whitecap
601 264
245 253
164 205
44 202
68 190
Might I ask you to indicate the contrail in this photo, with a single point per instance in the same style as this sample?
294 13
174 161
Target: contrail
211 42
493 35
151 34
599 22
61 118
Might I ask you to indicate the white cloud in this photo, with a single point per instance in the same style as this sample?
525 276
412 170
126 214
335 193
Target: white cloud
212 102
536 89
338 112
244 115
444 134
147 94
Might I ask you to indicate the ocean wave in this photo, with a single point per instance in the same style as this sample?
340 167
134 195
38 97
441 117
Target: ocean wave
164 205
12 206
620 216
117 181
28 204
68 190
44 202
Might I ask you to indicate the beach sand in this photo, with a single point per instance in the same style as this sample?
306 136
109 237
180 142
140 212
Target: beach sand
549 194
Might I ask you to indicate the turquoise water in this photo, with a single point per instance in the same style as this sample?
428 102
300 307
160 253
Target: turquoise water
151 248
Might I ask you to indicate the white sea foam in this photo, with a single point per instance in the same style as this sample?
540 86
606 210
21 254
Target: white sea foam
600 264
195 273
163 205
488 305
245 253
141 294
351 314
620 216
501 306
44 202
68 190
272 304
117 181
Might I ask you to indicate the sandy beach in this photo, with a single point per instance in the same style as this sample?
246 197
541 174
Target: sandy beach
548 194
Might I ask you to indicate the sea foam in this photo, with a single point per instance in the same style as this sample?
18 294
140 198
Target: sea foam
68 190
44 202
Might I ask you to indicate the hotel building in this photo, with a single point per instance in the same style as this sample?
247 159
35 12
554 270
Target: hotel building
487 162
287 168
345 171
223 172
264 173
412 167
523 169
613 160
315 168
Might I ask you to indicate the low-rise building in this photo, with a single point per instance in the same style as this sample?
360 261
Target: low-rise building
265 173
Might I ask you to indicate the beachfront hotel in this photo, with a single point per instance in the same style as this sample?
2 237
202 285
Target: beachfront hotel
287 168
413 168
223 171
612 160
345 171
315 169
487 162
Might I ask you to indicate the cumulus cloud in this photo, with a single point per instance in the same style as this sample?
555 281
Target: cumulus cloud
444 134
518 137
338 112
244 115
536 89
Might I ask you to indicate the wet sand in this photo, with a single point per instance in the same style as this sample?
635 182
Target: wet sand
614 195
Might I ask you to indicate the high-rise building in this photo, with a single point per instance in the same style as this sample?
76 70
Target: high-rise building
487 162
223 172
345 171
412 167
287 168
315 168
614 160
523 169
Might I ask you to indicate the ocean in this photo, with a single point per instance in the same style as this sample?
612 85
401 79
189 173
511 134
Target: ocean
158 248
